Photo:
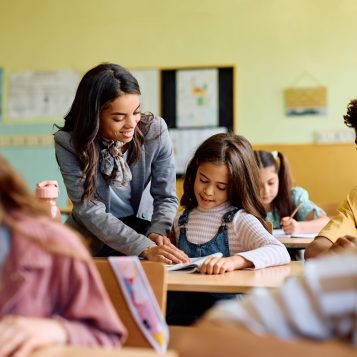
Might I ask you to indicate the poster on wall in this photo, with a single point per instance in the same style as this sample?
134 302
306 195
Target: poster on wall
197 98
306 101
41 94
185 142
148 80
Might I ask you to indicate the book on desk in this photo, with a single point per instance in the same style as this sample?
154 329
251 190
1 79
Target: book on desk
279 233
193 265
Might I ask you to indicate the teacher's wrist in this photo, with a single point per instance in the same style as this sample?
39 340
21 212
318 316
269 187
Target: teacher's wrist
145 253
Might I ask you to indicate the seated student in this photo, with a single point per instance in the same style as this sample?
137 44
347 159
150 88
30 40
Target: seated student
50 292
341 230
223 213
280 199
320 305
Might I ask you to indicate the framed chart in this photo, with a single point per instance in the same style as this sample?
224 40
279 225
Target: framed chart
198 97
196 103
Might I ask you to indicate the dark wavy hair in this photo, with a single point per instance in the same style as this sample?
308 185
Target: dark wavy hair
283 201
98 87
350 119
236 152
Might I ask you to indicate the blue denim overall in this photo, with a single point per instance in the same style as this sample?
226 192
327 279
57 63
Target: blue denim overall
186 308
219 243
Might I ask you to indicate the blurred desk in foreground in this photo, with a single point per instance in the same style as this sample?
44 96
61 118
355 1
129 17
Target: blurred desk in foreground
210 339
68 351
238 281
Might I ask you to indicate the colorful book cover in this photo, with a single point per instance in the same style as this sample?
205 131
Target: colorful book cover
141 300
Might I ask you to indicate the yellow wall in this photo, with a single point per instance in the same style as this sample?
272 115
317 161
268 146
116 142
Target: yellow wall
272 43
327 172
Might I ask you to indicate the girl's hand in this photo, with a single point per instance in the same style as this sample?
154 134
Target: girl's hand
19 336
159 239
290 225
166 253
214 265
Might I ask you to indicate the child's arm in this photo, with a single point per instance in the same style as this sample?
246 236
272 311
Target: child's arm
222 265
291 226
251 241
25 334
317 247
307 218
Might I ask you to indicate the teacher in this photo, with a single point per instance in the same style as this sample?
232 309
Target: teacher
118 168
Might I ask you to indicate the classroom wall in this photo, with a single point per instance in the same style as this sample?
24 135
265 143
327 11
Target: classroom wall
326 171
272 43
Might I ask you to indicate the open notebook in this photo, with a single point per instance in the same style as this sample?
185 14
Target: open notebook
279 233
193 265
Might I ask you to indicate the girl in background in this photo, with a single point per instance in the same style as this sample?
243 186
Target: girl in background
280 199
223 213
50 292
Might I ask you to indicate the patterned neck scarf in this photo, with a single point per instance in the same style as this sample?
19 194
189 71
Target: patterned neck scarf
112 164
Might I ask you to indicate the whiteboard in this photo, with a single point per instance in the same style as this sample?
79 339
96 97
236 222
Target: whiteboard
186 141
148 80
197 98
41 94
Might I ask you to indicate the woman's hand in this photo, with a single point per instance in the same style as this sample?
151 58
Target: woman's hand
19 336
290 225
214 265
166 253
159 239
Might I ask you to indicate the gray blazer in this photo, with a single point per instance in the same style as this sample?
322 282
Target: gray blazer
153 193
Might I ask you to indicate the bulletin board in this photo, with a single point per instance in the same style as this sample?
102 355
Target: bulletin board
196 103
40 94
148 79
170 95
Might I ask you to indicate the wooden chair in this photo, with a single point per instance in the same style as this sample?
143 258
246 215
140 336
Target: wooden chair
66 211
270 226
156 275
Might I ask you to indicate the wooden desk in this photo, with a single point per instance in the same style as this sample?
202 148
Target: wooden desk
68 351
238 281
210 339
299 243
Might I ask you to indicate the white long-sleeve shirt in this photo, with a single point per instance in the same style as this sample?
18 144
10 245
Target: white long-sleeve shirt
246 235
321 305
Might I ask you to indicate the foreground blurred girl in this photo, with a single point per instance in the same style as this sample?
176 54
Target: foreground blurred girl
50 292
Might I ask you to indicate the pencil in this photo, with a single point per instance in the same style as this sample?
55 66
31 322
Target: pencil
295 210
